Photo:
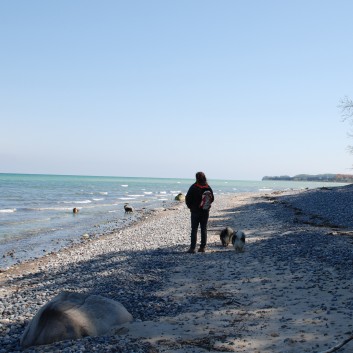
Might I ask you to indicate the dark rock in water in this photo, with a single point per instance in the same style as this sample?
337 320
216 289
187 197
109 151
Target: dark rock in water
74 315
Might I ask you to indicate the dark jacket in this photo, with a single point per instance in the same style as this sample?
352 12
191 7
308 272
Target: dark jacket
194 196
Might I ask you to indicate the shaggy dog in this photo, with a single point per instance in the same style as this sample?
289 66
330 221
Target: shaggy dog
226 236
238 241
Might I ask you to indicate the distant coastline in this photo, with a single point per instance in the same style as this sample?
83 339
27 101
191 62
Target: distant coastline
339 178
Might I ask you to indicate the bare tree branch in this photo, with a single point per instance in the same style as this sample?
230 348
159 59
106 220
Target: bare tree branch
346 106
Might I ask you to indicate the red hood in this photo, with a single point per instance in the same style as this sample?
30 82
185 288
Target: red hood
202 186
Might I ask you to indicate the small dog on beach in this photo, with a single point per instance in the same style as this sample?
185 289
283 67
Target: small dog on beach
238 241
226 236
128 209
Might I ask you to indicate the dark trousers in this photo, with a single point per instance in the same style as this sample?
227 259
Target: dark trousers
199 218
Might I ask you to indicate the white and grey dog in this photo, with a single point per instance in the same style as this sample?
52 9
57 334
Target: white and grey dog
238 241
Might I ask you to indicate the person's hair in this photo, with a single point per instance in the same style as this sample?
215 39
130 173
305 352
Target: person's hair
201 178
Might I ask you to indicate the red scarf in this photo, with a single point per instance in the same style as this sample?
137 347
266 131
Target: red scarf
202 186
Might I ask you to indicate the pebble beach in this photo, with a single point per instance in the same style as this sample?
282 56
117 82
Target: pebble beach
290 291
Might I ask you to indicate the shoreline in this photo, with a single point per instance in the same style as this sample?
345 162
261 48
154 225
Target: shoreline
289 291
34 224
136 220
30 249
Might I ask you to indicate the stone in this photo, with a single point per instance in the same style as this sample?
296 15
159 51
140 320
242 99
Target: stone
72 315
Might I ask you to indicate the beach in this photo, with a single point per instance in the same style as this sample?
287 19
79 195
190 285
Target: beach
34 223
291 290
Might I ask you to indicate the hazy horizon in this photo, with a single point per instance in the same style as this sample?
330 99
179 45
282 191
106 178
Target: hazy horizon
154 177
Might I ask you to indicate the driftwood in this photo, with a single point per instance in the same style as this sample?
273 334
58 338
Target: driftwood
335 348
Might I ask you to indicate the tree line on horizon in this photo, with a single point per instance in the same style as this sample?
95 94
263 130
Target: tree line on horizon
339 178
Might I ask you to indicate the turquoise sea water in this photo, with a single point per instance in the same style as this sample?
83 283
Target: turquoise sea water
36 210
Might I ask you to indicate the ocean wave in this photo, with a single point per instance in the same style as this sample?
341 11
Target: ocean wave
101 199
84 201
148 192
103 193
124 185
137 195
47 209
8 210
126 198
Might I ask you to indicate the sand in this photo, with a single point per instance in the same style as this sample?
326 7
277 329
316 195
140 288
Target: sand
291 290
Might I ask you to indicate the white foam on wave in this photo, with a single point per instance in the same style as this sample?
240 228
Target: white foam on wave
265 189
124 185
101 199
103 193
126 198
163 199
163 192
83 201
137 195
8 210
49 209
148 192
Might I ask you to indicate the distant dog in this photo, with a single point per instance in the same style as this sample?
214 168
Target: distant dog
238 241
75 210
128 209
226 236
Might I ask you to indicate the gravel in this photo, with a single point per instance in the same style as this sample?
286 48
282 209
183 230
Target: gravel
133 265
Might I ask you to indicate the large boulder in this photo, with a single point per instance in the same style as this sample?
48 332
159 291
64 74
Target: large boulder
74 315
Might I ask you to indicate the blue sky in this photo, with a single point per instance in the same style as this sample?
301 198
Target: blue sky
237 89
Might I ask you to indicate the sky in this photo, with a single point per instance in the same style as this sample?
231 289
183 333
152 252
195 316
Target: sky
238 89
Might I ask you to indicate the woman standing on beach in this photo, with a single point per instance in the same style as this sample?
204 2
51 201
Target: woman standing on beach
198 200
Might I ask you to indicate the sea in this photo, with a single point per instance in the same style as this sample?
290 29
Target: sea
36 211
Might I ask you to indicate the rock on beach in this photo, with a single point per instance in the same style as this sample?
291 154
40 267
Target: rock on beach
73 315
290 291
